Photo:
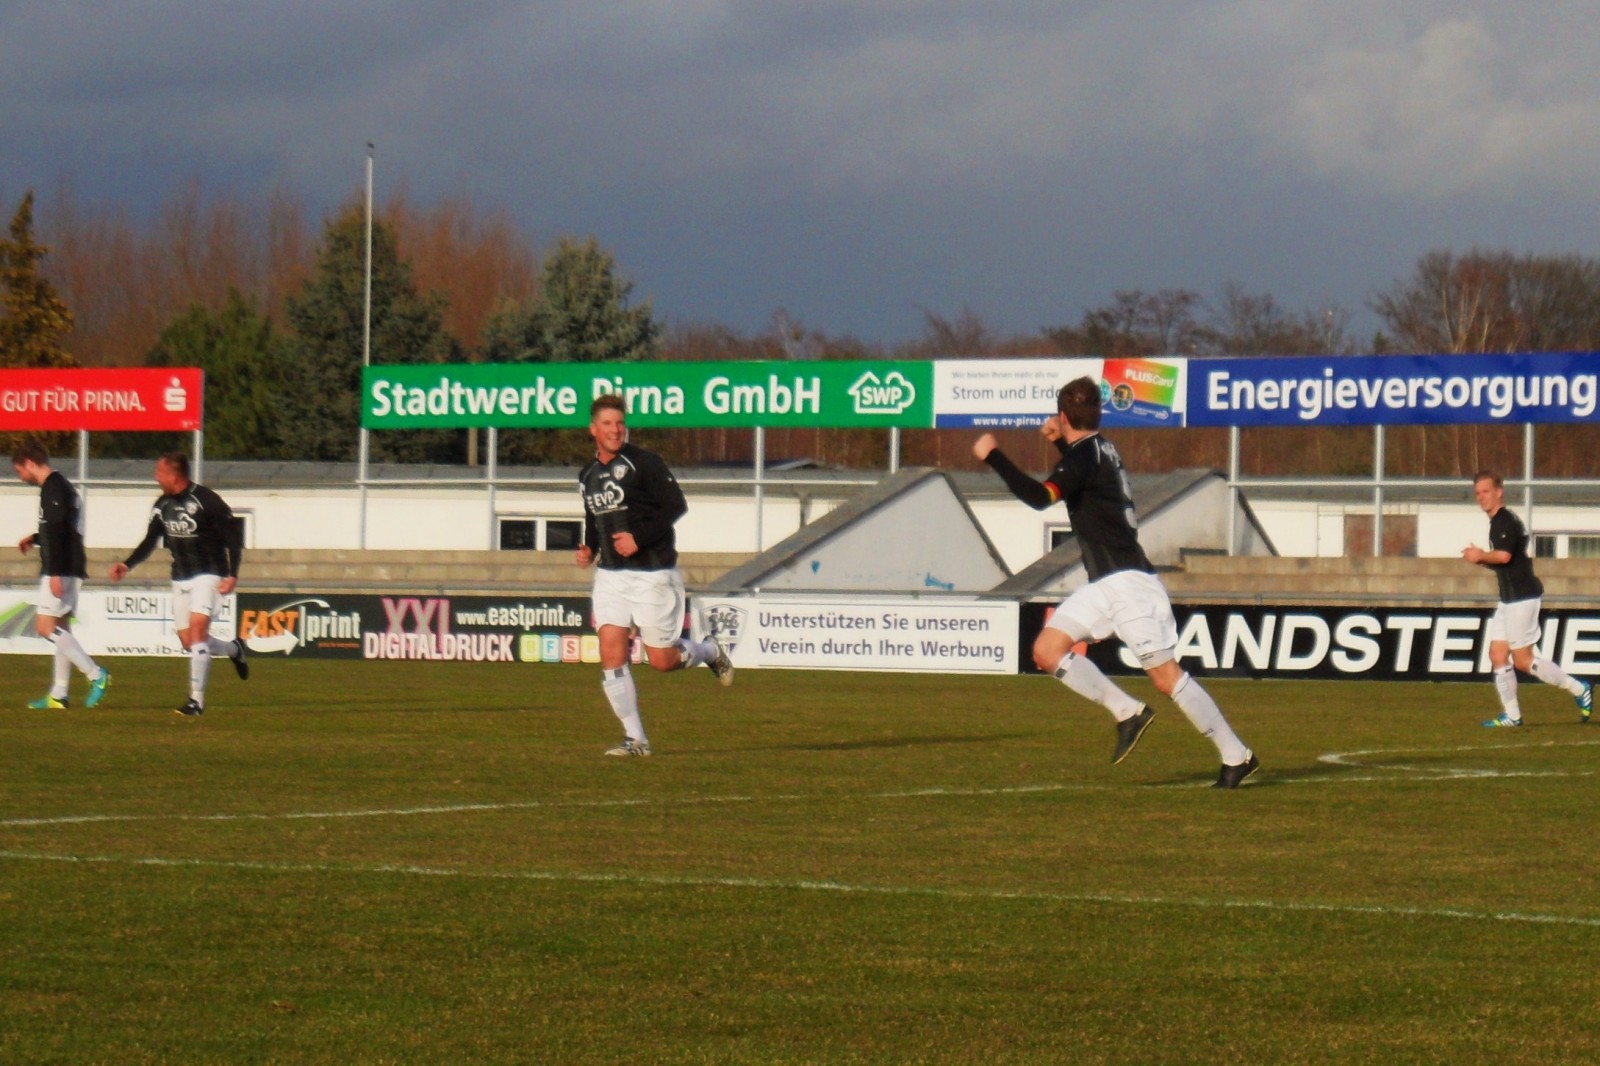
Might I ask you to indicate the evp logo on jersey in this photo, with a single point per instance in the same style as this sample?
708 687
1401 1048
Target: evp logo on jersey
609 499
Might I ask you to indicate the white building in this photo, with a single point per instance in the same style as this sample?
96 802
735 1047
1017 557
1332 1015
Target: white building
308 505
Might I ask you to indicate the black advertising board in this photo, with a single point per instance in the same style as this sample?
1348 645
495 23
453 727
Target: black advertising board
1332 643
527 629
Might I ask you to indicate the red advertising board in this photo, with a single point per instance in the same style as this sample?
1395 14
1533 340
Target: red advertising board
140 398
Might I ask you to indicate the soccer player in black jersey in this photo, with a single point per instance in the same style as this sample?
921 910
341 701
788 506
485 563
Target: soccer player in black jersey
207 545
630 502
61 573
1124 596
1513 630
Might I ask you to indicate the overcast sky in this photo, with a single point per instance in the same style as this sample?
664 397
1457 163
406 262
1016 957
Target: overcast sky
858 162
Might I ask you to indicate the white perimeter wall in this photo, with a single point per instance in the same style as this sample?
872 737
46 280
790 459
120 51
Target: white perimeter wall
461 519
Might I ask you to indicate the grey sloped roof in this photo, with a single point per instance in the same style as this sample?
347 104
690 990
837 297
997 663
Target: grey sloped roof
1161 498
895 545
786 477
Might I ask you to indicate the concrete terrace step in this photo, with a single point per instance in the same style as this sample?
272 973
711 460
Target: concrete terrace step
1205 578
1434 581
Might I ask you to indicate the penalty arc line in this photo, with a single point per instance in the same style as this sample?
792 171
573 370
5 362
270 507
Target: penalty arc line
779 885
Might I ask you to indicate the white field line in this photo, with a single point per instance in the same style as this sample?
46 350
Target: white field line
523 805
1379 759
1348 758
779 885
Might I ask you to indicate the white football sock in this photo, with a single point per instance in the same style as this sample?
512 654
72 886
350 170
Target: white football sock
1084 677
67 643
1207 717
223 648
199 667
1505 683
624 697
696 652
60 668
1551 674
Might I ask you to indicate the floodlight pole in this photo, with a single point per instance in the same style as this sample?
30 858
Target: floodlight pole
1527 474
490 473
1233 490
1378 448
761 473
366 359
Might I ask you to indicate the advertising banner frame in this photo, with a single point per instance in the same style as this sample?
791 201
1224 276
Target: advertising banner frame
128 399
1322 642
1394 390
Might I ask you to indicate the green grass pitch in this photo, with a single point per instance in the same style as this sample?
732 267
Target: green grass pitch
408 863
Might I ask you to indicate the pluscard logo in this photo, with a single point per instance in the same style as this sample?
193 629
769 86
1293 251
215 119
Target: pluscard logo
287 626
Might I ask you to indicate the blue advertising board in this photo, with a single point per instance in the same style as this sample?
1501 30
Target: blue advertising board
1393 390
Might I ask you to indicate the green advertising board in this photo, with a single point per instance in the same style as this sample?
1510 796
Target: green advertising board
556 395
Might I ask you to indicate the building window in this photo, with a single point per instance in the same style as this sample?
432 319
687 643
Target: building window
1399 535
1566 546
540 534
1583 547
519 535
562 534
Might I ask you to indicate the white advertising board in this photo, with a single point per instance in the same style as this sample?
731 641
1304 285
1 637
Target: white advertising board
108 622
922 635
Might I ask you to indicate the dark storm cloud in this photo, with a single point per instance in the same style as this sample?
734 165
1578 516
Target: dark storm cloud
857 162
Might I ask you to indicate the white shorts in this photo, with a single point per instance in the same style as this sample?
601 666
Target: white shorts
652 600
1129 604
1516 624
195 595
48 605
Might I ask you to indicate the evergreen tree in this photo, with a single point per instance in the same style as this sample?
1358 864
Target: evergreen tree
237 349
35 319
320 413
581 316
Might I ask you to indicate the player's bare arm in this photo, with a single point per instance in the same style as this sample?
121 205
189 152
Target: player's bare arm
984 445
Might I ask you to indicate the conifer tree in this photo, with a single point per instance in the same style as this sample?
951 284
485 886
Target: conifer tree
34 319
320 411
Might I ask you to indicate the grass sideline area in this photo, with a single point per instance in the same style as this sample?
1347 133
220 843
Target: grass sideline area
394 862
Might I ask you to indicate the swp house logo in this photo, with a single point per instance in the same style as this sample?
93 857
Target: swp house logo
887 395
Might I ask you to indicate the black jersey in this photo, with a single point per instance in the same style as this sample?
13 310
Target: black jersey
200 531
60 536
633 493
1516 578
1091 479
